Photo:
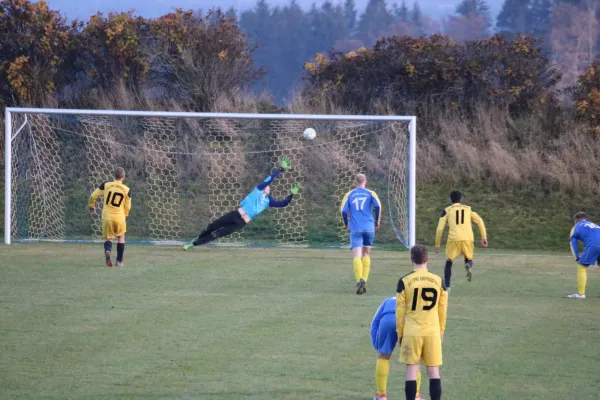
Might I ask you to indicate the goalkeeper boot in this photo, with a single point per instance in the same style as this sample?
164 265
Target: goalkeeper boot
109 262
469 268
188 246
576 296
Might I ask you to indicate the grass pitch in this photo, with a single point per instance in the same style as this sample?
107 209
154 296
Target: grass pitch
233 323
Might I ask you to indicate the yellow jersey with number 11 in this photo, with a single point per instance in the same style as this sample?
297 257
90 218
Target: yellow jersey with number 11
460 227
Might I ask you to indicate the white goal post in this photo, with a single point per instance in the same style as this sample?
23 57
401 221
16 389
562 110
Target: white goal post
186 168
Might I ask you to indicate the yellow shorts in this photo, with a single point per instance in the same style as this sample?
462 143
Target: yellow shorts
421 348
112 228
455 249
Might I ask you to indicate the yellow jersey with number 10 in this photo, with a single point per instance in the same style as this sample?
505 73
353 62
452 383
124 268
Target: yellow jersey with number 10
117 199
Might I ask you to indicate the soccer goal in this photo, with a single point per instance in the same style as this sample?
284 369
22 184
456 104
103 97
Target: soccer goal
186 169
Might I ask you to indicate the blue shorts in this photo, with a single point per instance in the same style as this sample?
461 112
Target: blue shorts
590 256
361 239
386 338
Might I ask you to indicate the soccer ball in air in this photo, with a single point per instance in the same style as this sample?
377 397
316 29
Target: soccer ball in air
310 134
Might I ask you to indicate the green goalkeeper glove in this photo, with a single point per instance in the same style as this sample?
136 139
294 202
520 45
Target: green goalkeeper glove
295 188
285 163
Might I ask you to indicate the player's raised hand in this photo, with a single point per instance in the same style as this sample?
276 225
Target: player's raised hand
285 163
295 188
484 243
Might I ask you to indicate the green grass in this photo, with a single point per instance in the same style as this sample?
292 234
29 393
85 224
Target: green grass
232 323
516 218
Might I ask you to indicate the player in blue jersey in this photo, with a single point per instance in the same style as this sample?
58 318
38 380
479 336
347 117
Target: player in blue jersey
251 206
384 338
357 213
588 233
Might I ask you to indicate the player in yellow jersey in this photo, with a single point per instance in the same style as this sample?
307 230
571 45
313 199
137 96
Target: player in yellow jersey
460 235
117 203
421 306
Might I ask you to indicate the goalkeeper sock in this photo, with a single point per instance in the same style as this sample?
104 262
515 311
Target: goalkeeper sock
435 389
382 370
120 251
358 268
410 388
366 262
108 246
581 279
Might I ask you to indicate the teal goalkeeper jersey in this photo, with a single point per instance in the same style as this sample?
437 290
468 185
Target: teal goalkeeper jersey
255 203
359 204
258 201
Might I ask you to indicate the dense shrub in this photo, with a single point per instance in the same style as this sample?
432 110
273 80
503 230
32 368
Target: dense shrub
437 71
586 94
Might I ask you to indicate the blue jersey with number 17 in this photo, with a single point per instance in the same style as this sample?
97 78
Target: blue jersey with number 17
360 204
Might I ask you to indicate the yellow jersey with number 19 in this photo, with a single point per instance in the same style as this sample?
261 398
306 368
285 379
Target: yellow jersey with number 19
117 199
421 304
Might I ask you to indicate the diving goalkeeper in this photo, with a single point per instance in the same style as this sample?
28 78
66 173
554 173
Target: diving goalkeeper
252 205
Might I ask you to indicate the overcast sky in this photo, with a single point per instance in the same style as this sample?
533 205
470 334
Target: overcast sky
154 8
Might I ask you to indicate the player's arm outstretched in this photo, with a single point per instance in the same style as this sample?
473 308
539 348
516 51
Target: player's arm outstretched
93 197
375 325
284 164
377 209
440 231
400 309
574 241
127 206
443 310
283 203
345 209
479 222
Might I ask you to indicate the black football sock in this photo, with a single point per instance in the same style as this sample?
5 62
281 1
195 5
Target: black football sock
435 389
448 273
410 388
469 263
120 251
108 246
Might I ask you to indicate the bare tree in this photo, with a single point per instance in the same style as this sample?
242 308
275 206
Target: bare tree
574 35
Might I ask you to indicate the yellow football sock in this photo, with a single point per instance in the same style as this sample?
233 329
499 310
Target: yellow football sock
366 262
358 268
418 383
581 279
382 370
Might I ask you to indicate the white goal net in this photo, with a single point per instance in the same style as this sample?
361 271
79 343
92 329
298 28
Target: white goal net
186 169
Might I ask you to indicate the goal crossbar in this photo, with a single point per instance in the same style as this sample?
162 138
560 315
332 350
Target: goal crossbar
10 136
